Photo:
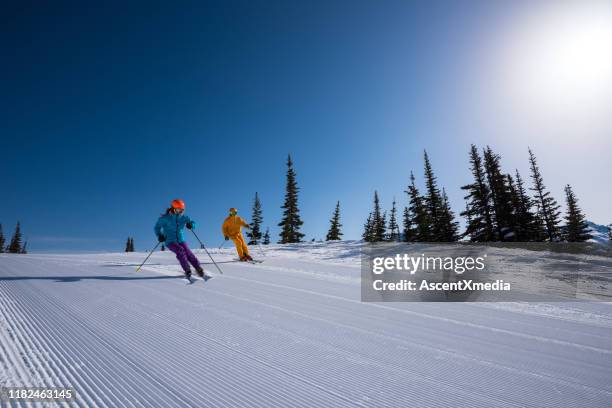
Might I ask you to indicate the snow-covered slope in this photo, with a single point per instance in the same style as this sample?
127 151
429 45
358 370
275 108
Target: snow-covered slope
290 332
599 232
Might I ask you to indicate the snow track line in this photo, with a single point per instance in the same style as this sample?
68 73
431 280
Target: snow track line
31 347
170 319
513 370
450 353
267 333
200 335
337 307
85 346
133 383
473 305
329 347
435 382
439 318
543 375
306 402
10 357
57 347
336 350
57 361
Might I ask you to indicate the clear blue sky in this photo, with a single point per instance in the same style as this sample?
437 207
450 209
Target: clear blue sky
111 111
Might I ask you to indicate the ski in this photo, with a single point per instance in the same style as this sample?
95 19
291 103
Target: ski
254 261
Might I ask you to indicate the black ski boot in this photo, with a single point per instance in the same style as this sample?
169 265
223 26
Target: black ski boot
200 271
187 277
202 274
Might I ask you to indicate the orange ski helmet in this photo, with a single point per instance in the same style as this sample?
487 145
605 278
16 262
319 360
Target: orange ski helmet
178 204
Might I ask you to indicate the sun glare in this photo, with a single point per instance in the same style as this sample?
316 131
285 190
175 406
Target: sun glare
560 59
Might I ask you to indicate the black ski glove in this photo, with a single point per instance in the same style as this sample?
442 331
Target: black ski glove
161 238
227 238
189 225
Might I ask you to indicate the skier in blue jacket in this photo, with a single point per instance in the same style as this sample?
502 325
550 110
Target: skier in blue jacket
169 229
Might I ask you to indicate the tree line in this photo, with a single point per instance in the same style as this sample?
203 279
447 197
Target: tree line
498 207
15 246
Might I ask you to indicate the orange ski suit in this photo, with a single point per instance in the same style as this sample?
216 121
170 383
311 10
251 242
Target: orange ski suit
232 228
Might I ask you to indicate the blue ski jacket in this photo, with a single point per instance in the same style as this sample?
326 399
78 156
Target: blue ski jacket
172 226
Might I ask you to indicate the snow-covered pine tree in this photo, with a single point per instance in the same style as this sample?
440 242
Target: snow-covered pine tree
433 201
548 209
334 233
468 218
449 228
381 230
576 228
394 232
2 240
525 220
418 213
15 245
266 237
256 219
377 225
291 222
478 207
503 211
368 229
409 230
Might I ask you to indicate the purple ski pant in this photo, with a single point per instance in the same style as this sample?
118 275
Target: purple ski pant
184 255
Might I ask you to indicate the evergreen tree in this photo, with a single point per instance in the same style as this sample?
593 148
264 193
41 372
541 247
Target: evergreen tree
610 233
368 229
378 227
127 245
334 233
418 213
256 219
266 237
433 201
291 222
576 228
15 245
375 228
468 217
478 209
394 232
526 226
503 211
163 247
132 244
24 250
548 209
2 240
381 230
448 226
409 231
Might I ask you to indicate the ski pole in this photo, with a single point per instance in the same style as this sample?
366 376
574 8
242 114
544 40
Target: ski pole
147 258
222 243
204 247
